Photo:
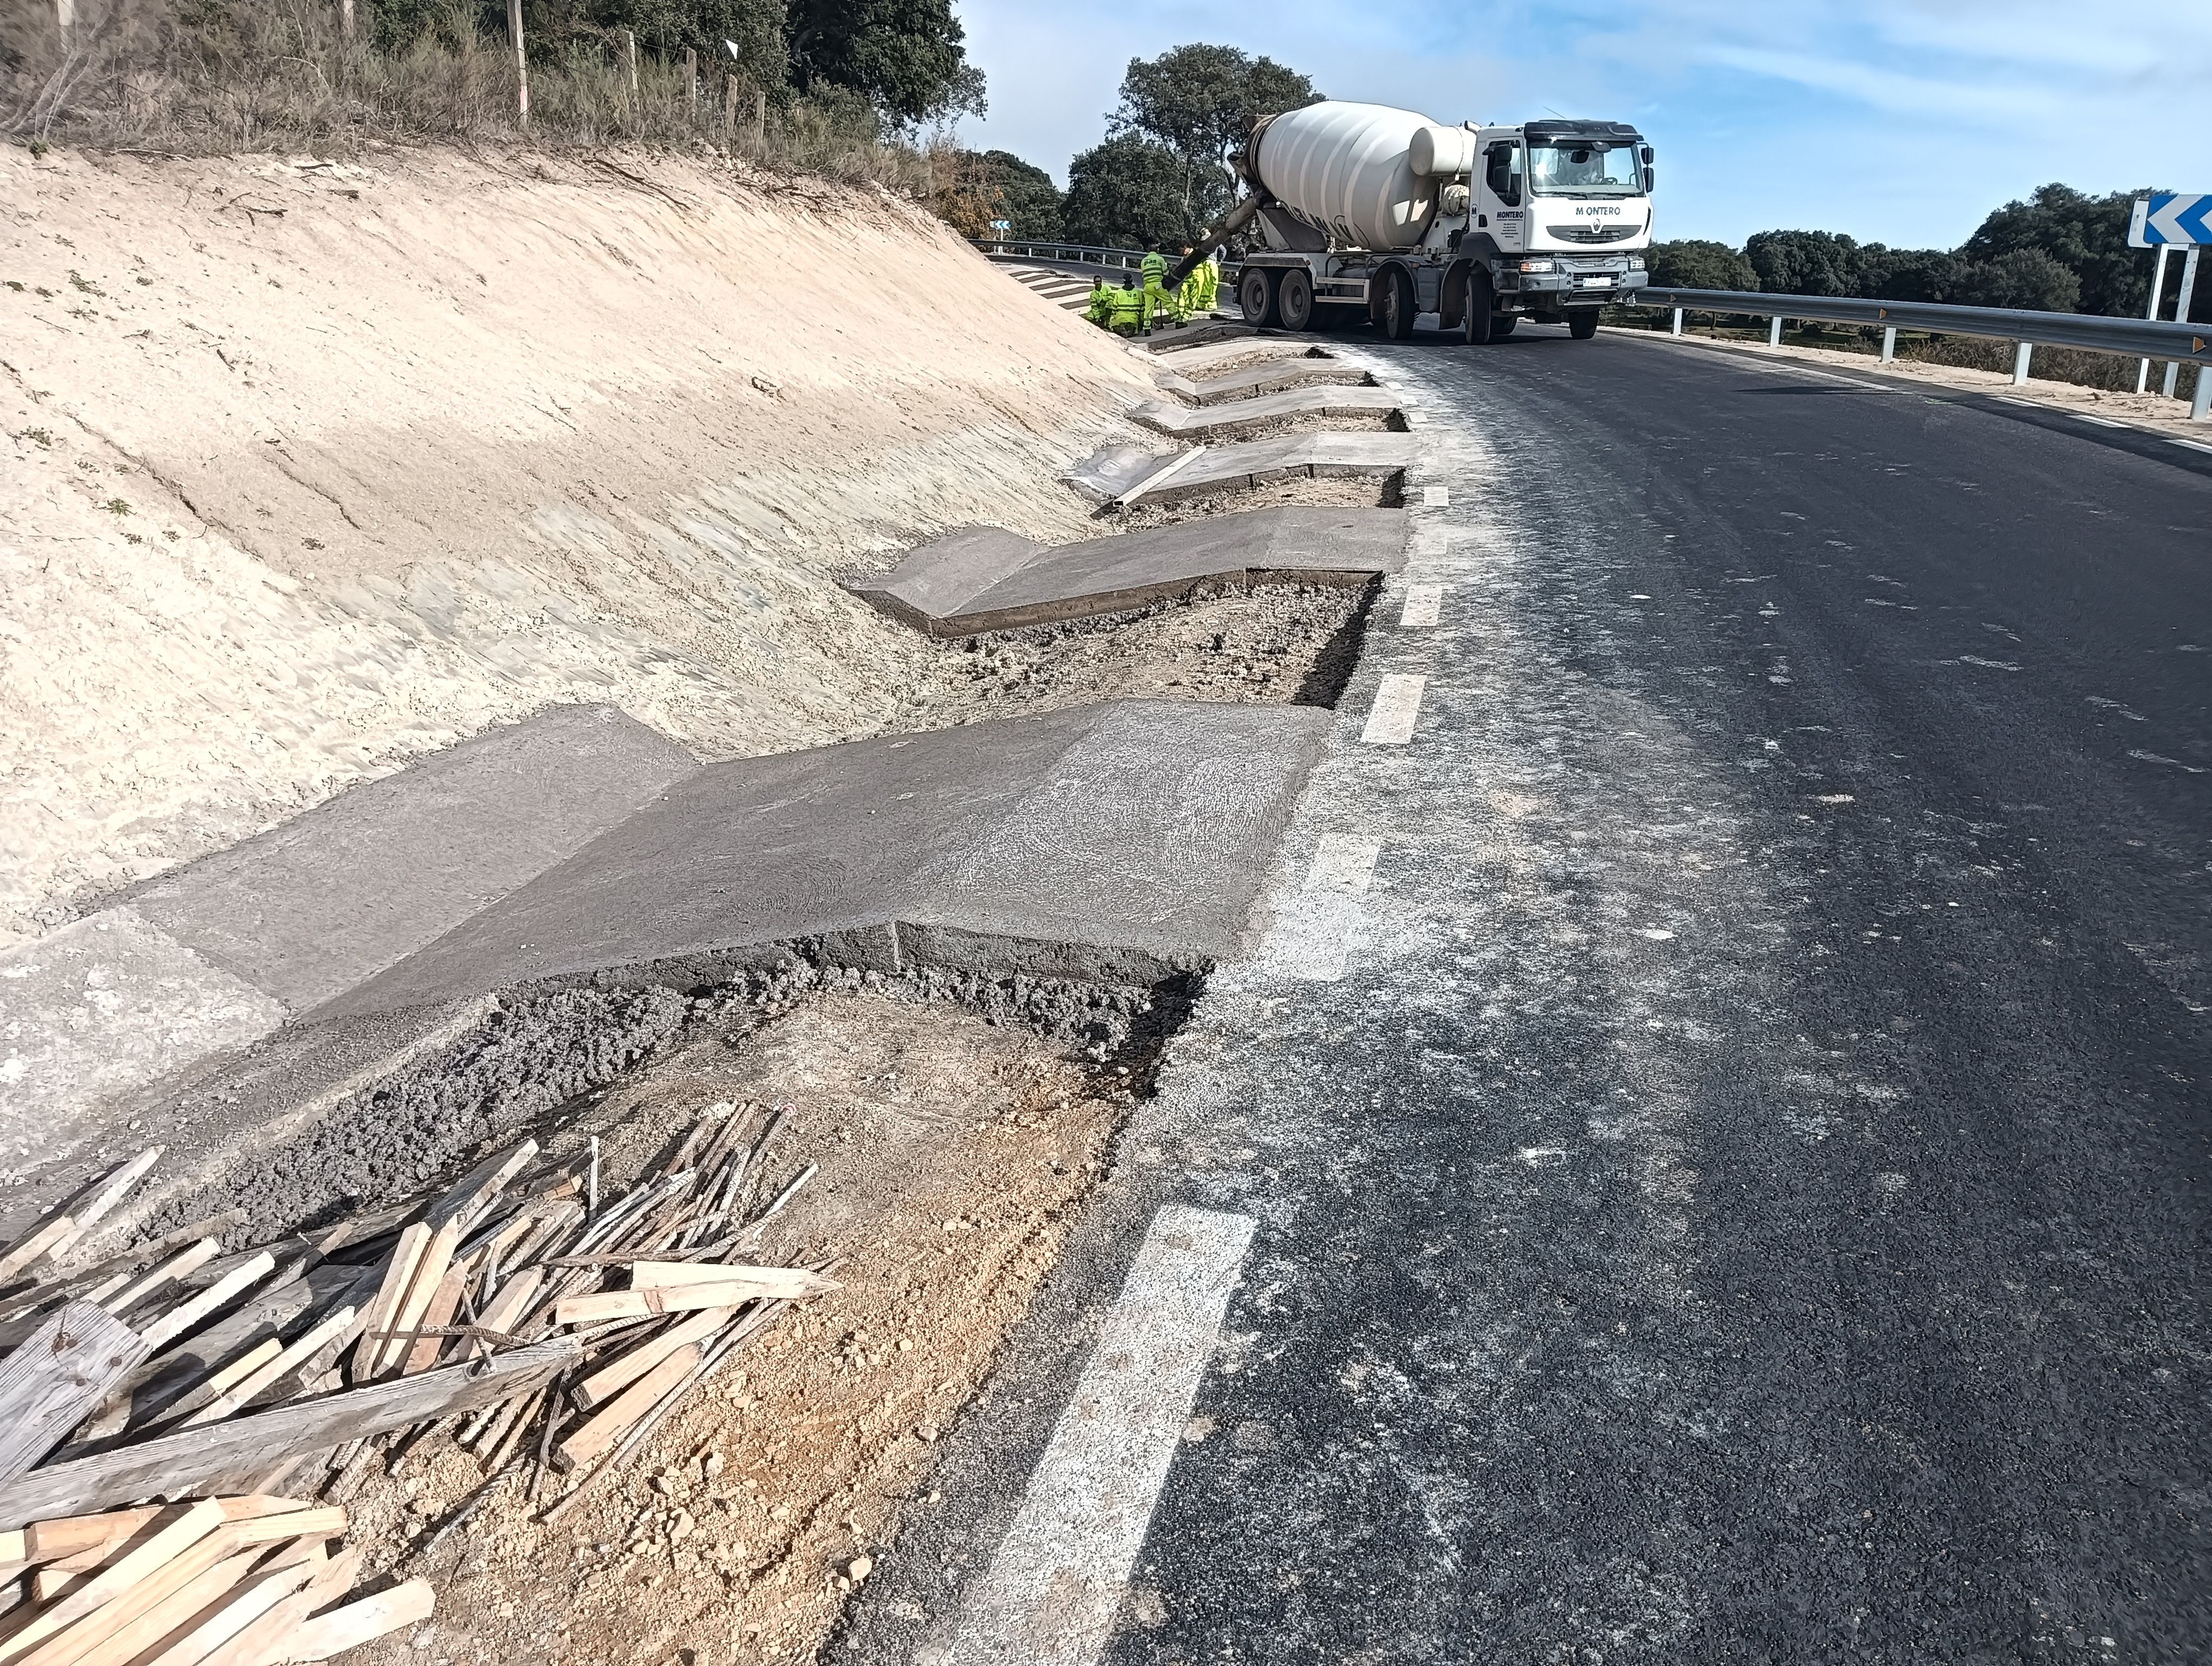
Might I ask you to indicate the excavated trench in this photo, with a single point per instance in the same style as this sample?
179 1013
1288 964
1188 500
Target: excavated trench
958 1124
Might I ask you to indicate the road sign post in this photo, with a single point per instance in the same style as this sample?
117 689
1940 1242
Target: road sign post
2162 221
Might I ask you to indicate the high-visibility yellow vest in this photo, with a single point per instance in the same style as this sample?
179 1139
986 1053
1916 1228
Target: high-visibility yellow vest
1154 266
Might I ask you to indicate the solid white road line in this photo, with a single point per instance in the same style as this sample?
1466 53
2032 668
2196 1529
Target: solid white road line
1051 1593
1423 602
1397 707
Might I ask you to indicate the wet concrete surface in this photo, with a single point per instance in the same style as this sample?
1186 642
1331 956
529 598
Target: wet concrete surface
1731 1186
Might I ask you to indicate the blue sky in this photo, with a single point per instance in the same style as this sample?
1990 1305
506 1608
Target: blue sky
1898 121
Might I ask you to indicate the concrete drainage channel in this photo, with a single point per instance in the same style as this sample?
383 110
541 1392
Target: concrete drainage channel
954 948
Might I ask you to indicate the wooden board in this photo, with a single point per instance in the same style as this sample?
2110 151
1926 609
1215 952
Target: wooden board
49 1384
196 1523
782 1284
187 1314
182 1462
607 1427
363 1621
610 1379
399 1276
267 1638
173 1613
687 1298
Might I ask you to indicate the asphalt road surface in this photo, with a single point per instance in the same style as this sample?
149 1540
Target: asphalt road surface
1732 1187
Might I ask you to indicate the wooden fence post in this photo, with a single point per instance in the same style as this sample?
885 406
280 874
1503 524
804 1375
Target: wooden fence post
345 20
521 61
729 108
629 54
691 77
65 17
760 121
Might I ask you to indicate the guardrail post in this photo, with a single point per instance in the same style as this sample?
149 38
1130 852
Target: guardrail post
1888 343
1678 321
2201 407
2182 310
2020 354
1774 332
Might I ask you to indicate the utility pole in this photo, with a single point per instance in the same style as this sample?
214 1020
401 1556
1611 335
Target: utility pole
521 61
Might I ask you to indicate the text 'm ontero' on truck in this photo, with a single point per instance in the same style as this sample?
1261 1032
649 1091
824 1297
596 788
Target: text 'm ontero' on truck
1360 205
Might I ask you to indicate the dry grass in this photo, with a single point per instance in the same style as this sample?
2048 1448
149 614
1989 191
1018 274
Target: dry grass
220 77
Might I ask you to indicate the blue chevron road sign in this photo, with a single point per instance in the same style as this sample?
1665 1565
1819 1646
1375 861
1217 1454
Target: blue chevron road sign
2170 217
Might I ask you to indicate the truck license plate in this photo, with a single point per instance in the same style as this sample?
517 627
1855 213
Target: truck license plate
1593 282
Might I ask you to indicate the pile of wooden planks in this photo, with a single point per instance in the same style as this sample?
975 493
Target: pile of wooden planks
542 1328
250 1581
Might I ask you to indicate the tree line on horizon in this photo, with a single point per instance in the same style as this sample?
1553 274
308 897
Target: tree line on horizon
1160 175
2058 251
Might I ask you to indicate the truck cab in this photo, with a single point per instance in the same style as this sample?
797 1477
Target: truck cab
1559 213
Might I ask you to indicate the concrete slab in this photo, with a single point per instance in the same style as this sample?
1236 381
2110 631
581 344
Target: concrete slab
1123 841
92 1013
1195 361
1271 376
1198 333
1217 421
1256 462
943 589
316 905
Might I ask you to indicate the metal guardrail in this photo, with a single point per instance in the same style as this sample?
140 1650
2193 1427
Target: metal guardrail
2129 338
1082 254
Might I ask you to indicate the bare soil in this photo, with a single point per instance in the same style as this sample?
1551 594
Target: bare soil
1278 643
953 1156
1358 491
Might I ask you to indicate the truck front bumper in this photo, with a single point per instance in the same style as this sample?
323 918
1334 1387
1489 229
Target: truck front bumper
1587 286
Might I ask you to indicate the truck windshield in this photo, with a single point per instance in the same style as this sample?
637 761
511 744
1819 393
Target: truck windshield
1569 169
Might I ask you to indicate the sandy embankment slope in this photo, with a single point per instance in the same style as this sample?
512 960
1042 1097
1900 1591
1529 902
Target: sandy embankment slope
292 497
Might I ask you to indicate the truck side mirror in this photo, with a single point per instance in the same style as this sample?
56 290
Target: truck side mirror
1651 174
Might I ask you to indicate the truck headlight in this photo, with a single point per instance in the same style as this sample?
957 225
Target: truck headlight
1536 265
1635 263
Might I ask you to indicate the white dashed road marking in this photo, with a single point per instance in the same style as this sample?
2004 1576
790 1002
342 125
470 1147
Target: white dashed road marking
1424 602
1345 862
1397 707
1051 1594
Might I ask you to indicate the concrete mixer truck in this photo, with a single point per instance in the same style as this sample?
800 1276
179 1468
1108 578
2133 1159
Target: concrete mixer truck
1358 210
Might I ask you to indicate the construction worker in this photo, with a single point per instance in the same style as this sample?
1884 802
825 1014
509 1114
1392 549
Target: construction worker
1192 295
1154 266
1207 272
1100 312
1129 310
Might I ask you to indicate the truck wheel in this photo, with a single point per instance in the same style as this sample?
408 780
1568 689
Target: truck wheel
1501 325
1481 326
1294 299
1398 310
1255 293
1582 323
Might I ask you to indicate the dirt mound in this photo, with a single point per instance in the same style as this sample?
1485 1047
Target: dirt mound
314 468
